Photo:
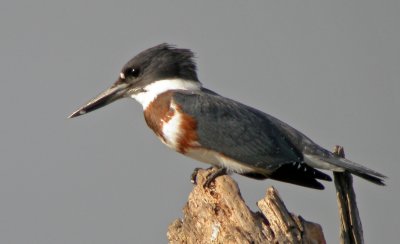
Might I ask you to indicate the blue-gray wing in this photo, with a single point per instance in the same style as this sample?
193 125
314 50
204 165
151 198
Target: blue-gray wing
238 131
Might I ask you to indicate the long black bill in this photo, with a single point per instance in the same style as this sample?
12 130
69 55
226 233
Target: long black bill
110 95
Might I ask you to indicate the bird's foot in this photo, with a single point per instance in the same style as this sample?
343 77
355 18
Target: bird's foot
211 177
193 176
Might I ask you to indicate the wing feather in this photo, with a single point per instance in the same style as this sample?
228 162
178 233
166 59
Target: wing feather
238 131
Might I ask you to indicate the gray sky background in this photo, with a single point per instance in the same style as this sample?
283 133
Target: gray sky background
329 68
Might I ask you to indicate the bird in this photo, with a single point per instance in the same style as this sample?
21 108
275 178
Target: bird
213 129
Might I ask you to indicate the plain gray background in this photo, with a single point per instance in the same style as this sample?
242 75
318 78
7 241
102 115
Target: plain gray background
329 68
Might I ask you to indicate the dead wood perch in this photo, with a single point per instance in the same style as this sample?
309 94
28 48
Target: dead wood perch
219 215
350 222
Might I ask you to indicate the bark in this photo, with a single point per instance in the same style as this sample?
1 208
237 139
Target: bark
218 214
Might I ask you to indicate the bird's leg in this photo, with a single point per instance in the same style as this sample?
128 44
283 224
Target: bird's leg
193 176
212 176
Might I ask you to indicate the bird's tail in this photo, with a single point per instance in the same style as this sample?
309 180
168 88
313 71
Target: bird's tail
338 164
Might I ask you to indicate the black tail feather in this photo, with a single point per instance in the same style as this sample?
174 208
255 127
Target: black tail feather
371 178
356 169
295 173
301 174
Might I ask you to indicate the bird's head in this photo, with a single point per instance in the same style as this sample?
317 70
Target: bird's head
151 72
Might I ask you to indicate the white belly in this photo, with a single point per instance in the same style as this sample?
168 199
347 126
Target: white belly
216 159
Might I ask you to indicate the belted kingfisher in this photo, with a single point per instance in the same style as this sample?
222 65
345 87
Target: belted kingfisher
208 127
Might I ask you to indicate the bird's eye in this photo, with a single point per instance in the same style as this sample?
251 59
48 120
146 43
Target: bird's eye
133 72
129 73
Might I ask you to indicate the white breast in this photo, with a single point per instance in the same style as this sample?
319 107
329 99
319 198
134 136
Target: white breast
171 129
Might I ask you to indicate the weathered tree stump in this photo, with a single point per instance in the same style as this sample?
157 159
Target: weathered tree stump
218 214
